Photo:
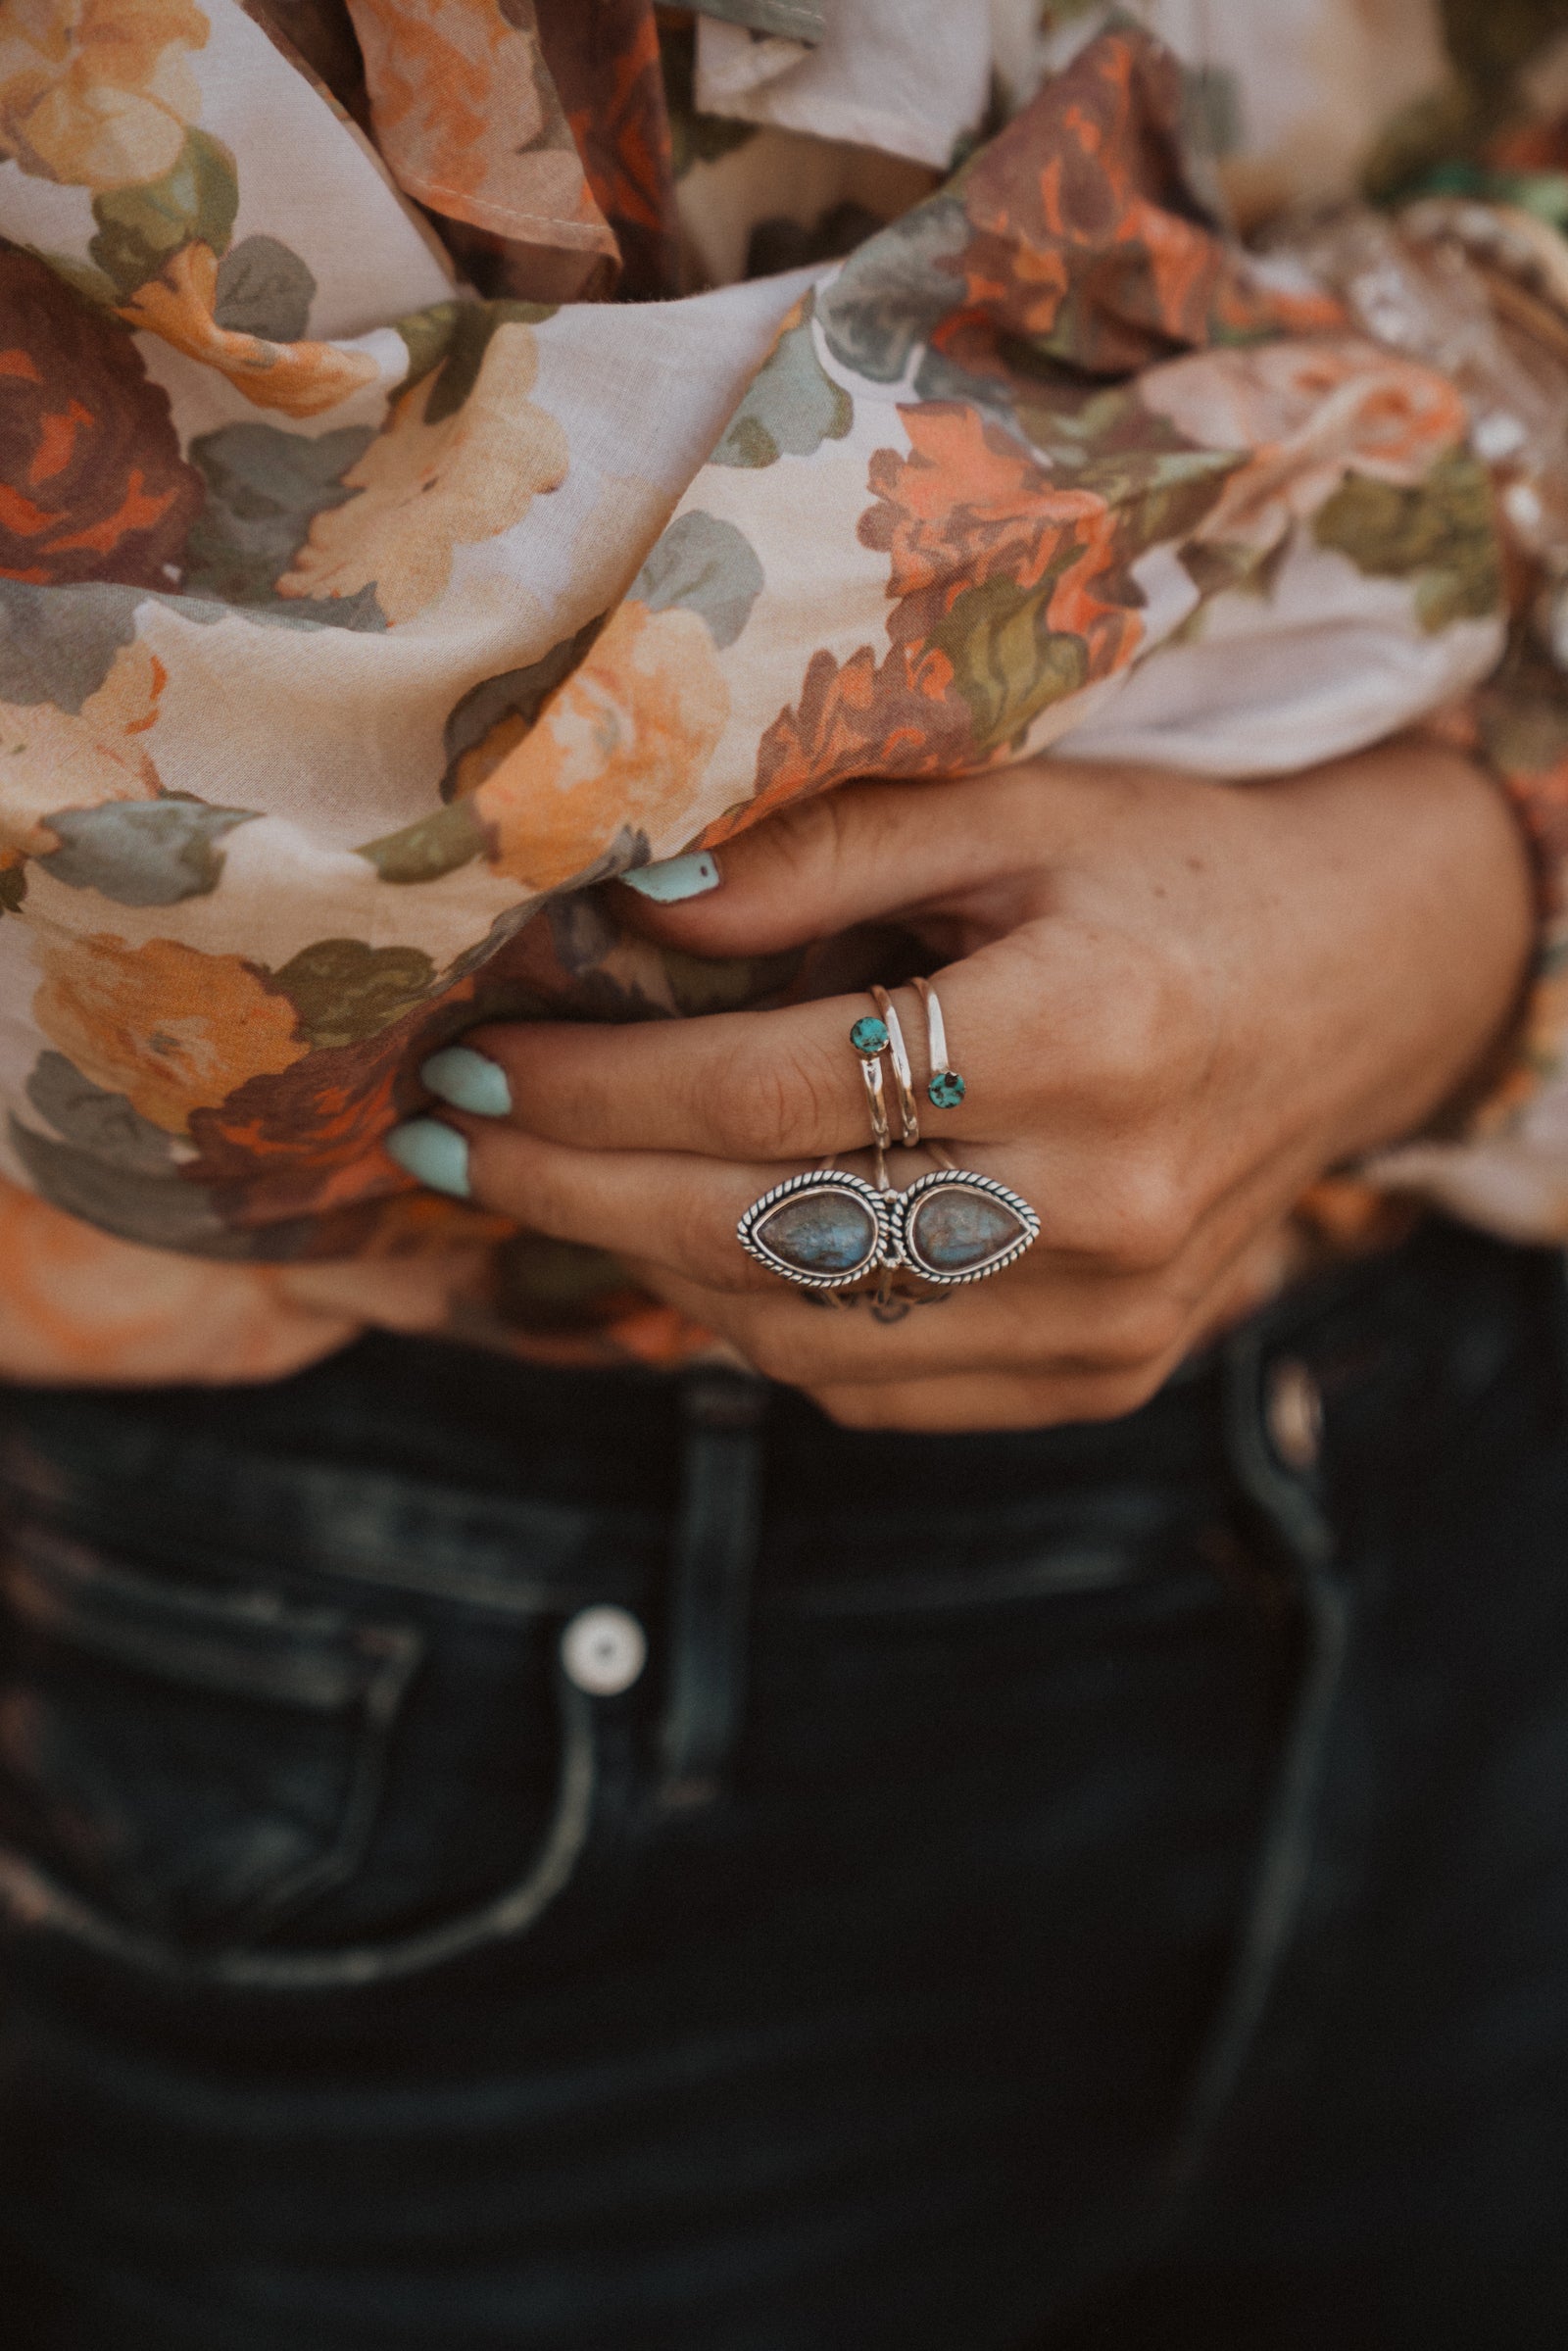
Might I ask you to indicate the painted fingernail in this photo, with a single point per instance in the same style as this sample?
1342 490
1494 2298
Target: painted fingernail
469 1081
675 878
437 1154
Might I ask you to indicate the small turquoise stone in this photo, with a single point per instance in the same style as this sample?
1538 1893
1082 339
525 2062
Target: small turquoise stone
870 1037
947 1089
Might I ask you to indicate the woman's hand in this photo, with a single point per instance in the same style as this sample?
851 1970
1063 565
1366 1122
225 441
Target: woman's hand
1175 1003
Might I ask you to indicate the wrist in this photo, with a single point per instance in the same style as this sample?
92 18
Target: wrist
1422 897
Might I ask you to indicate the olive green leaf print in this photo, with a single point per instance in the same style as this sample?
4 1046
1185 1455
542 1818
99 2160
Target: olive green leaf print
59 643
264 289
707 566
157 1210
107 1163
455 338
106 1125
146 853
264 487
343 990
500 711
1439 534
140 228
792 406
890 295
436 845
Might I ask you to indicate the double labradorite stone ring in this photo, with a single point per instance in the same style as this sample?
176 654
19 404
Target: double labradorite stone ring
828 1229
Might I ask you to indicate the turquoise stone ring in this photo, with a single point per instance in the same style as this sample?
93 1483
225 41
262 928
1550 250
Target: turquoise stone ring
870 1037
946 1089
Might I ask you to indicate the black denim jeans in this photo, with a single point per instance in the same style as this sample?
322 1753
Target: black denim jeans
1099 1889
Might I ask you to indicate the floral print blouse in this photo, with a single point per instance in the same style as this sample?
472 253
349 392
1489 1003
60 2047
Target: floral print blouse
452 451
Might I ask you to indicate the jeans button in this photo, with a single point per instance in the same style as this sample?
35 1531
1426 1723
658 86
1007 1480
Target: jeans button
1292 1413
602 1650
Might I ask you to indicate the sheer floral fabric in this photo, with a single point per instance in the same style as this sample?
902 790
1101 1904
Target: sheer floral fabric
451 452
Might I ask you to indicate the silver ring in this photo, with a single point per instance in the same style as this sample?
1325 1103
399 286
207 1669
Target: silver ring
955 1226
902 1074
944 1088
877 1103
823 1230
828 1229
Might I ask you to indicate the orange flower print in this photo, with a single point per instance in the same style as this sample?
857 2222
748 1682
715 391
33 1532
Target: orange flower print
98 93
622 747
970 504
1309 412
1087 238
52 758
1012 590
93 483
300 379
427 488
470 126
171 1029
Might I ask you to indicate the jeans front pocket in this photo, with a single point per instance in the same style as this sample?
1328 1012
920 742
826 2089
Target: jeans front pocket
188 1762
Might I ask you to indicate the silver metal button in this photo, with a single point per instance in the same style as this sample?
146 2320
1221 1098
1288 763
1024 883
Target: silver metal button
602 1650
1292 1413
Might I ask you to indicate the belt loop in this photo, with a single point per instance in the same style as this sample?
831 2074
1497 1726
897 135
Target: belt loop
1288 1502
718 1527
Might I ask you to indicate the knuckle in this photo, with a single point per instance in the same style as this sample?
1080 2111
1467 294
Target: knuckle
864 1408
703 1249
781 1352
1113 1395
1139 1336
1140 1040
769 1106
1141 1216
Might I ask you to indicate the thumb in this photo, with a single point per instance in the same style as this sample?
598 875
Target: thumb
822 866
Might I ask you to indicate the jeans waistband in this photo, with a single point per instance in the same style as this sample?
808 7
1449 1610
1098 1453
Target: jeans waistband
505 1474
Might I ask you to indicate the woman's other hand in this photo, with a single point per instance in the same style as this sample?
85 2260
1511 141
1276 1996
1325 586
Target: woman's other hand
1175 1005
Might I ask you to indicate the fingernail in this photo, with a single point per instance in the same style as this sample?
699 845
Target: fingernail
469 1081
437 1154
675 878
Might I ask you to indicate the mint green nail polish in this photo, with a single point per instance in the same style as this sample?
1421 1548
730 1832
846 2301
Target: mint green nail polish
437 1154
469 1081
675 878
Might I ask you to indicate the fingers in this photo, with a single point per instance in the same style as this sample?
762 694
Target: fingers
677 1215
847 858
1068 1332
744 1086
1065 1030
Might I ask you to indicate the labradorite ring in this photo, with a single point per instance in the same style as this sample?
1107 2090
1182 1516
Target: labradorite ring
824 1230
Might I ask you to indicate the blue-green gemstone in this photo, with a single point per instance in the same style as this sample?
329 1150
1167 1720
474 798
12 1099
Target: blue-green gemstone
870 1037
820 1233
958 1231
947 1089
